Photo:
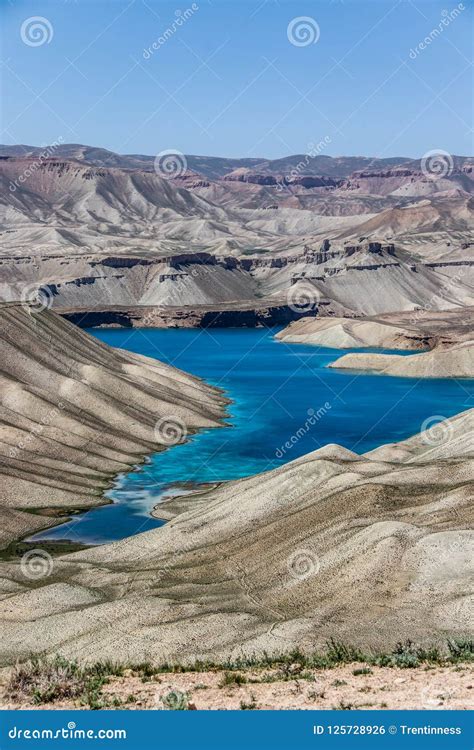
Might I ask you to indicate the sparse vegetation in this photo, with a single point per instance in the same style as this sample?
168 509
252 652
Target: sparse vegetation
232 679
43 680
47 681
461 649
344 706
251 705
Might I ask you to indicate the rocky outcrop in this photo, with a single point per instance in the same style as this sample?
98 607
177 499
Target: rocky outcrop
303 180
442 362
199 316
347 333
409 181
447 335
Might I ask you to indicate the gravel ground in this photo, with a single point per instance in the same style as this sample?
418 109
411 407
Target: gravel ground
345 687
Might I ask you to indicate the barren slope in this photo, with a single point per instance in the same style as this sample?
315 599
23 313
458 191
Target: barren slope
373 549
74 412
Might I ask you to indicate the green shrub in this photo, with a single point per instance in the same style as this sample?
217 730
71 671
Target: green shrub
176 700
362 670
232 679
251 705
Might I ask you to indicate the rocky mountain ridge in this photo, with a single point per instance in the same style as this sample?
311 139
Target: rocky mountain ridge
91 235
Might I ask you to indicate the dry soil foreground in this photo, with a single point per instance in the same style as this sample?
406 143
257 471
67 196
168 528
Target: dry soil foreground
349 686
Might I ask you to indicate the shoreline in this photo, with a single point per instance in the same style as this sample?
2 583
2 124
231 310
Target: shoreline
180 502
440 345
93 412
60 543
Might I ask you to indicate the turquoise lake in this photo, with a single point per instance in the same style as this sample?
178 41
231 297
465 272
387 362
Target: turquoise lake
275 388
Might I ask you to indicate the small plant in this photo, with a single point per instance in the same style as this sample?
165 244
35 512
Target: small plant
176 700
342 653
461 649
343 706
232 679
405 655
361 670
305 675
314 694
251 705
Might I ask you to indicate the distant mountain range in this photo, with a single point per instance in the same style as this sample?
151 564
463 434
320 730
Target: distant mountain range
364 235
216 167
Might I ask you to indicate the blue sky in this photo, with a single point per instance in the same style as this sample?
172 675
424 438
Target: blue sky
228 81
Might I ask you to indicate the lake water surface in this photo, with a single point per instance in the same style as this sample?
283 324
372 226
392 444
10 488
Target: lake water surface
275 388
